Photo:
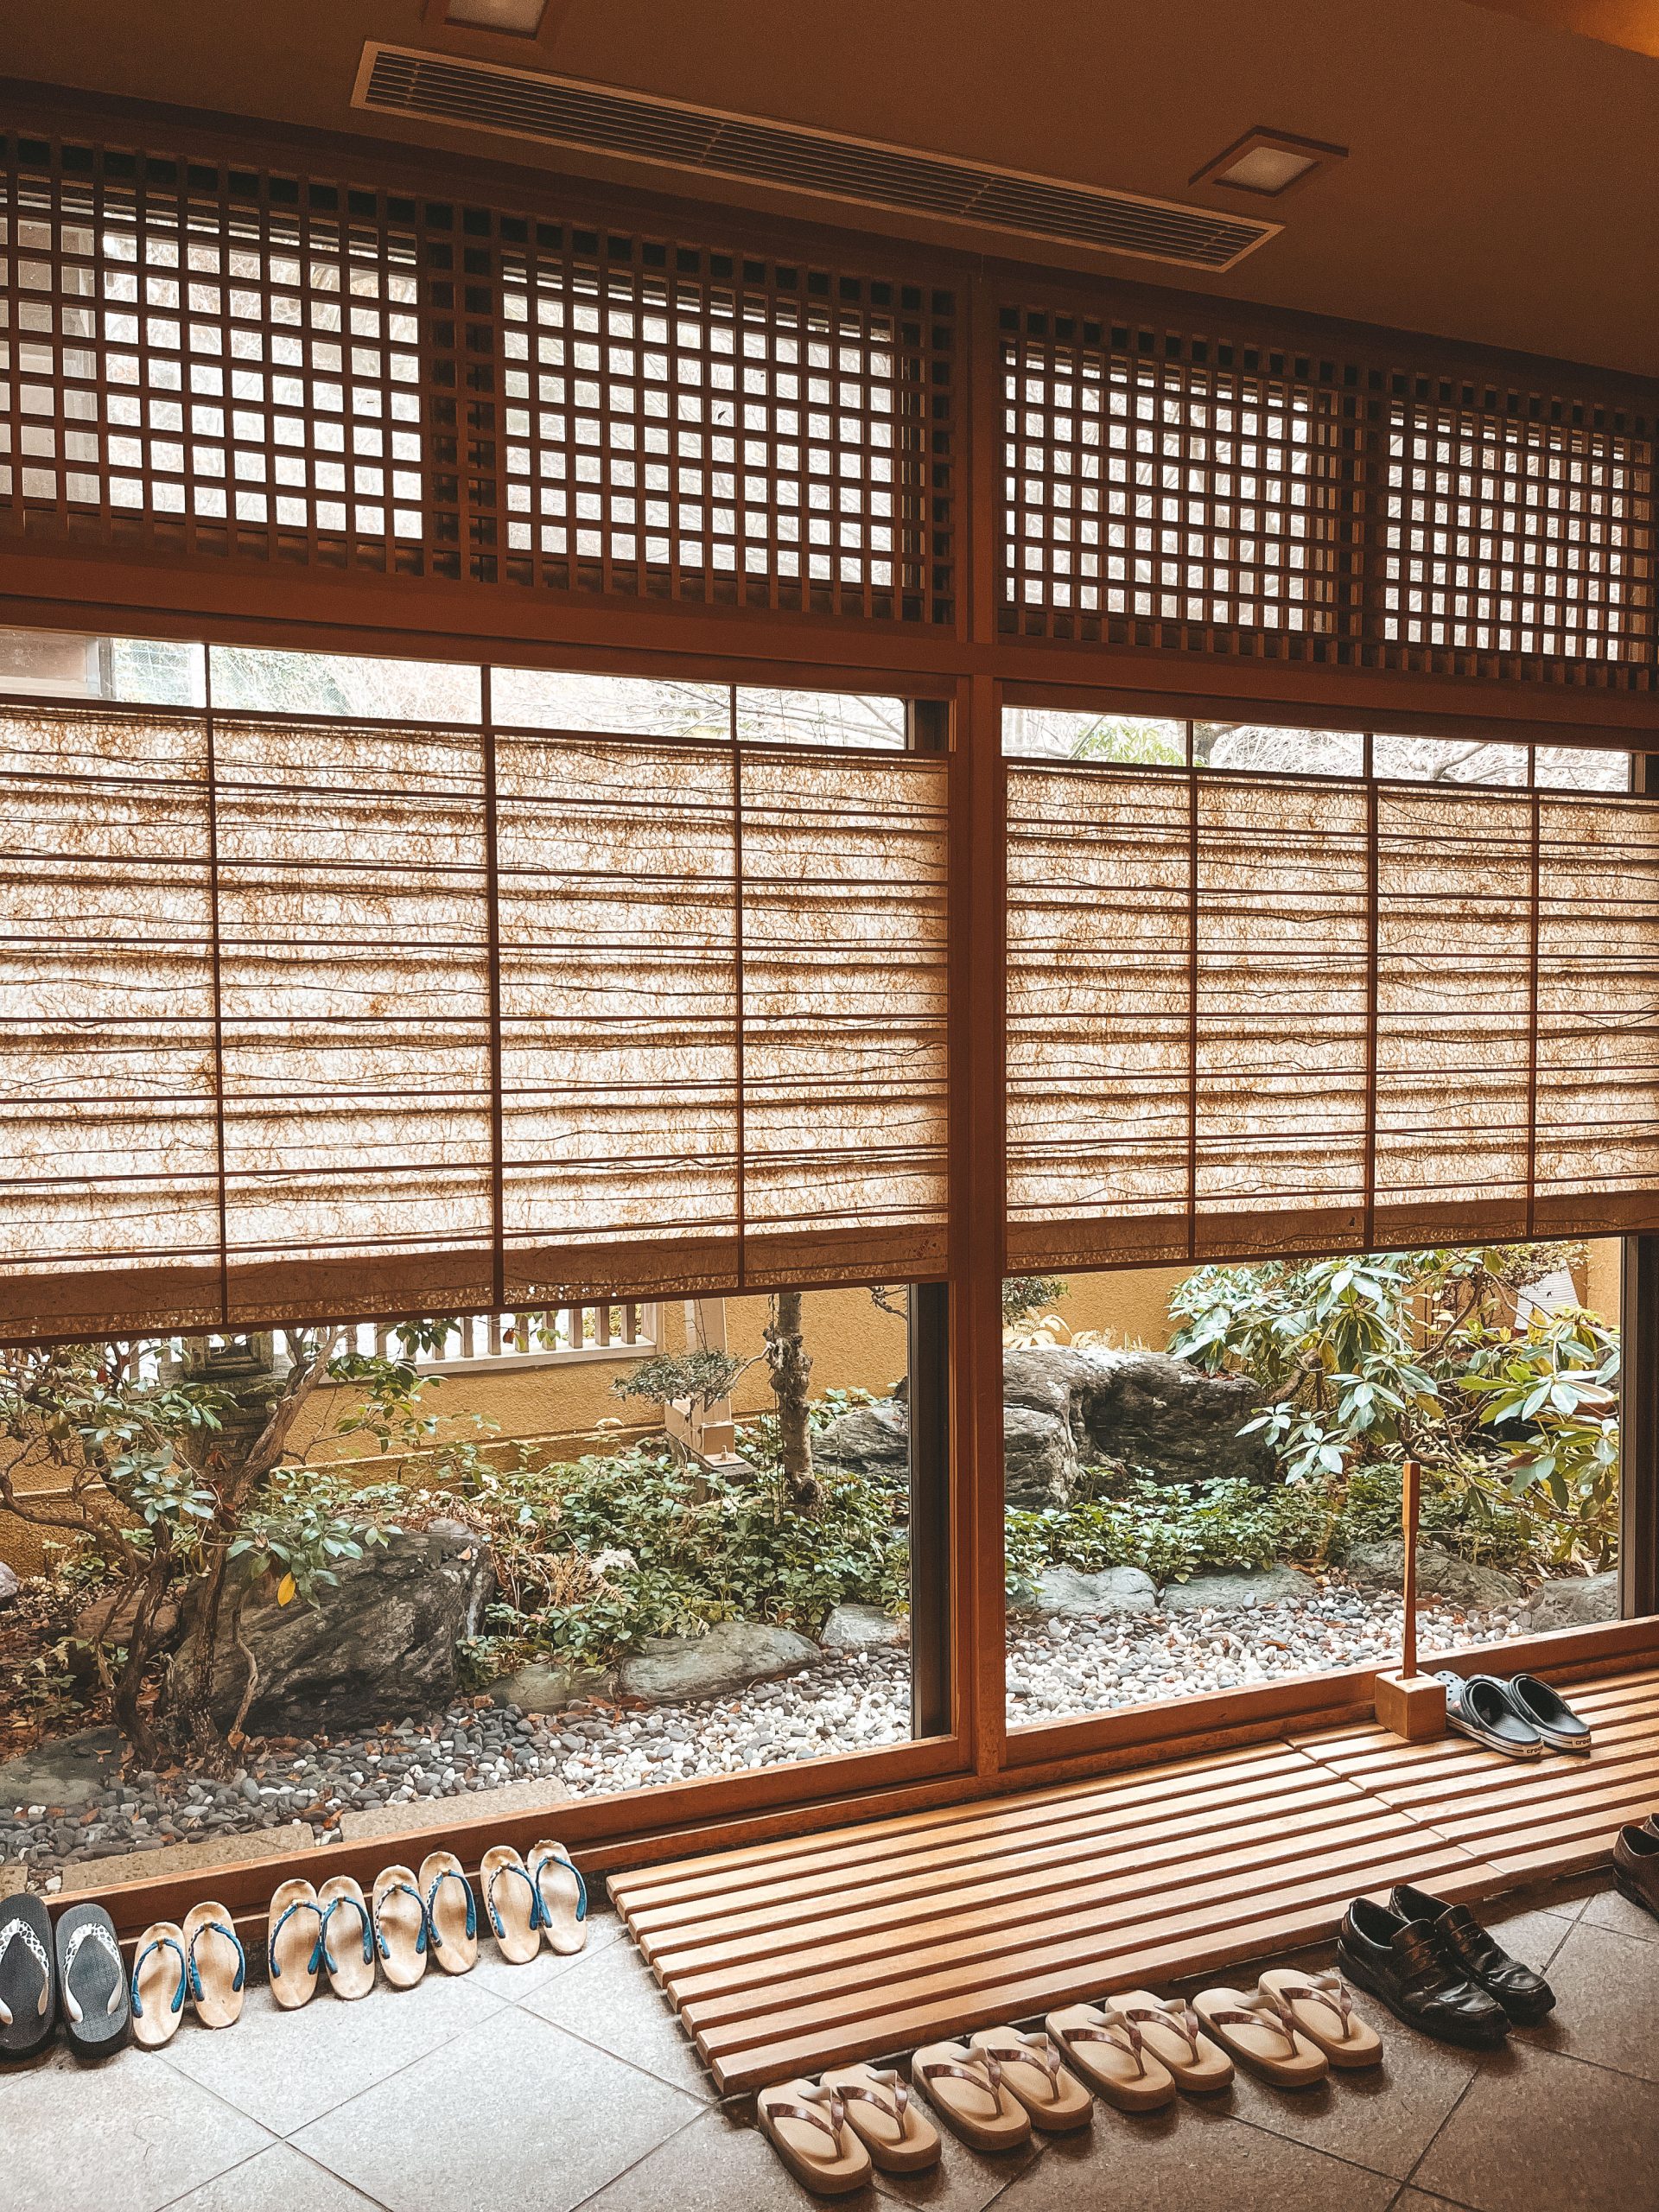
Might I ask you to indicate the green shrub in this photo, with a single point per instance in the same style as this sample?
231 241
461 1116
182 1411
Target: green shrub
1170 1531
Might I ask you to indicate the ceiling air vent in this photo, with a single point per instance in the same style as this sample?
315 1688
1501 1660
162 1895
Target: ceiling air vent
559 111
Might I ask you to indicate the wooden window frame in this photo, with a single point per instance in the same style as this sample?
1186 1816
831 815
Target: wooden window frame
959 672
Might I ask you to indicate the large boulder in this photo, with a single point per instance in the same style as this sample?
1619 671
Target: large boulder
731 1656
1439 1575
1241 1590
542 1686
868 1439
1069 1593
1063 1409
380 1644
1573 1601
862 1628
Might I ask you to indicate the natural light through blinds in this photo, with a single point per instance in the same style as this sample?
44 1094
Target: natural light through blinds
314 1016
1251 1015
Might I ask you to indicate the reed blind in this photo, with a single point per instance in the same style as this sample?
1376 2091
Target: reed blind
1252 1015
312 1018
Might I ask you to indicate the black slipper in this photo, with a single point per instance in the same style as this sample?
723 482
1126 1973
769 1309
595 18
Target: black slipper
1548 1712
1478 1706
28 1977
91 1982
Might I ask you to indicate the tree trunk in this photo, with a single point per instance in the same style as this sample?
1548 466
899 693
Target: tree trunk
188 1725
791 1371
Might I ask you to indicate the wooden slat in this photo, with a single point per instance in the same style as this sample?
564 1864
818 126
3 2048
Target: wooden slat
855 1942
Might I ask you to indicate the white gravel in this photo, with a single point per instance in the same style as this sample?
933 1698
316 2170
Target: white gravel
1059 1670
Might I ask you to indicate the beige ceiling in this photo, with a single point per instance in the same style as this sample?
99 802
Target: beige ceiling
1502 187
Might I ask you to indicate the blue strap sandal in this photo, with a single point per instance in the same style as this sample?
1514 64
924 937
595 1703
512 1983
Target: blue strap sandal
161 1974
513 1902
563 1897
400 1926
215 1964
294 1943
348 1950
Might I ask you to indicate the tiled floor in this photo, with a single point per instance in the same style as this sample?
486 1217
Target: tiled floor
569 2082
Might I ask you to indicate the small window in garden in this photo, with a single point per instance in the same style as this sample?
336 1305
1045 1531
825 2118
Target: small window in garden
839 719
1060 734
623 1565
1449 761
1279 752
1581 768
254 679
1203 1467
611 706
72 664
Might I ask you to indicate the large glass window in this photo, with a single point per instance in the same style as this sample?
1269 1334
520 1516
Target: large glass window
599 1548
1204 1465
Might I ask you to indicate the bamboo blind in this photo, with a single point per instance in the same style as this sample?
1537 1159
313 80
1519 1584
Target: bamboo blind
1214 495
308 1016
206 360
1252 1015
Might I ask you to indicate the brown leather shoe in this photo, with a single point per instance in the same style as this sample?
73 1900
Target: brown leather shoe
1636 1866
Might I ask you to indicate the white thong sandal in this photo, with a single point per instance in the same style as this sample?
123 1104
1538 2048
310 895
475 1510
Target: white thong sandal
881 2111
1032 2068
563 1894
1110 2053
399 1917
1257 2028
160 1975
807 2126
513 1903
1174 2034
971 2092
451 1916
294 1943
1321 2007
216 1963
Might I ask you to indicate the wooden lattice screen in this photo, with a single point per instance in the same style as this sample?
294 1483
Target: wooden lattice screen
1211 495
219 362
1252 1015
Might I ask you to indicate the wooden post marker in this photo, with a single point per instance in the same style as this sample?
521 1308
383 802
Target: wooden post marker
1412 1705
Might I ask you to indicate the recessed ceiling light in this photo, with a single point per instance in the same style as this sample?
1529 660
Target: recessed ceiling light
519 18
1268 163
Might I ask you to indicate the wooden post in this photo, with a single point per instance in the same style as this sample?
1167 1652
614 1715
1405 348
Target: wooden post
1410 1491
1412 1705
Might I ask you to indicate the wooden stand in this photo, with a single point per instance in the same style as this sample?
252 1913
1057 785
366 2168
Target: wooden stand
1412 1705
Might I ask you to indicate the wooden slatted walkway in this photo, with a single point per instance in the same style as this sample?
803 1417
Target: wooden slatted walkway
792 1955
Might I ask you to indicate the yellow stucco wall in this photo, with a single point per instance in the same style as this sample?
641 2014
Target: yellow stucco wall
854 1344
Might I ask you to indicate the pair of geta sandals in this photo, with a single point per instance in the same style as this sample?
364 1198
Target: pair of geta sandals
198 1959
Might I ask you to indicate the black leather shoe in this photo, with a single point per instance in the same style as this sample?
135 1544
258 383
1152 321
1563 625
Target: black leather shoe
1406 1964
1636 1864
1524 1995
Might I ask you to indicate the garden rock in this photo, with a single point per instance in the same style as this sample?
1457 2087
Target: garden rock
869 1439
1573 1601
542 1686
8 1583
1439 1575
1242 1590
862 1628
71 1771
1067 1593
731 1656
380 1644
1064 1408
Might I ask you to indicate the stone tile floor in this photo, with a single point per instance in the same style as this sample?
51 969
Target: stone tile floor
568 2083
